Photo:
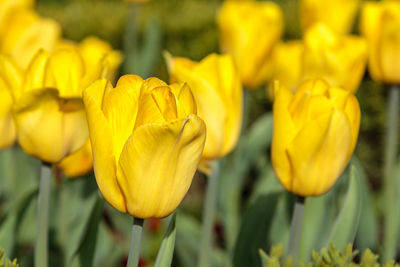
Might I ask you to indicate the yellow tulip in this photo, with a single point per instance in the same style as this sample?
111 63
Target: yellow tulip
25 33
218 93
380 24
249 30
339 15
7 127
48 110
8 5
315 132
93 51
146 141
338 59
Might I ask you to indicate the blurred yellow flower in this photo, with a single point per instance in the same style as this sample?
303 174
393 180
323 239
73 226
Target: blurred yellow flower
48 110
380 24
147 143
98 57
24 33
315 132
339 59
218 93
8 132
339 15
249 30
288 64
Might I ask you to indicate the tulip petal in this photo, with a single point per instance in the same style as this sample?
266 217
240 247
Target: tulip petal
35 74
102 145
352 110
11 75
120 107
318 154
185 101
65 71
157 165
78 163
283 133
50 127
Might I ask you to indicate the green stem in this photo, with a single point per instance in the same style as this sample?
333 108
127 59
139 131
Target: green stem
136 239
390 216
41 243
295 228
206 242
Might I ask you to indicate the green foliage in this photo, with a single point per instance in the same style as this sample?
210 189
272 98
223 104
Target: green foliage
5 262
330 256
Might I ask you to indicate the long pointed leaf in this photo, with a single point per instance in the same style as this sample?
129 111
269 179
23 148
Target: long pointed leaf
166 252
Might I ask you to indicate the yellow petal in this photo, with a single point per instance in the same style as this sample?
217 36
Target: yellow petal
185 101
353 112
11 75
120 107
34 77
65 71
50 127
157 165
318 154
102 144
283 133
78 163
7 127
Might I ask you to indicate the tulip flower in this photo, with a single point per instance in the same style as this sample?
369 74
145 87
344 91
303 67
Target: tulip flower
218 93
147 142
380 24
315 132
249 31
48 110
93 51
24 33
339 15
7 127
339 59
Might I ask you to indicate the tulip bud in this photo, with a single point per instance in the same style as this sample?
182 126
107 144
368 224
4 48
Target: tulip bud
380 24
146 141
249 31
218 93
315 132
338 15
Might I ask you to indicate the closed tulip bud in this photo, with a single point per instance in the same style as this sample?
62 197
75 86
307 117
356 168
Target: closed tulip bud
315 132
339 15
218 93
340 60
249 30
25 33
380 24
48 110
93 51
147 142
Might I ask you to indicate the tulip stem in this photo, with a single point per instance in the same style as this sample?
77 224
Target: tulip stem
389 189
295 228
42 220
136 239
206 242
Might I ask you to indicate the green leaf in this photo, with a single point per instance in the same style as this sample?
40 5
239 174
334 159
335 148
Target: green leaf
255 229
84 254
346 224
367 234
166 251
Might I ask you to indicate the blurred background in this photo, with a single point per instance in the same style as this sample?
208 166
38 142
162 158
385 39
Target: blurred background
183 28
